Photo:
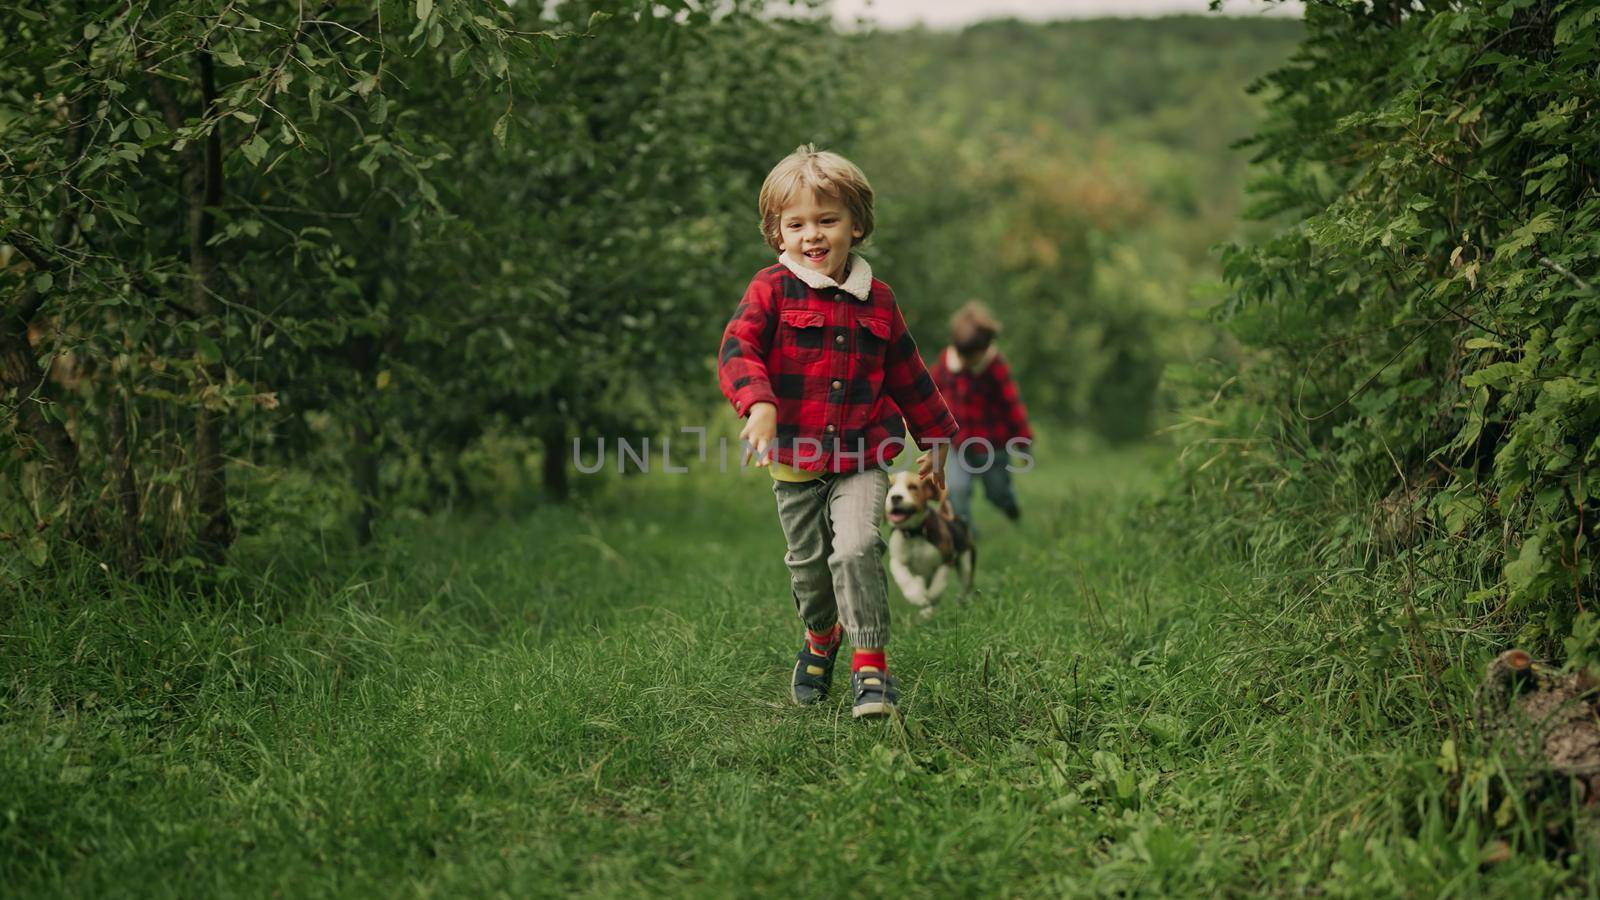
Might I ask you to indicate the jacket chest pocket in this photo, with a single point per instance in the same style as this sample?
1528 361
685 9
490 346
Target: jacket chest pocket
872 342
802 334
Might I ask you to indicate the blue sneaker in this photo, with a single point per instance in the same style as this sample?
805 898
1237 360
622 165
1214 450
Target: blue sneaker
876 694
813 674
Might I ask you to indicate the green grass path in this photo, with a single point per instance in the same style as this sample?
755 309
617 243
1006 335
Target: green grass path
594 701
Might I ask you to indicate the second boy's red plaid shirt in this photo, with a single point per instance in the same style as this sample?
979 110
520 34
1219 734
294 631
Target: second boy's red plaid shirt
984 399
838 363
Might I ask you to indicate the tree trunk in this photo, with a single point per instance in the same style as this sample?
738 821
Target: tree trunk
20 371
19 365
556 486
364 472
366 429
126 489
203 190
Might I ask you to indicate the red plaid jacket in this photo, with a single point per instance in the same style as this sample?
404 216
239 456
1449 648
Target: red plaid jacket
838 363
985 402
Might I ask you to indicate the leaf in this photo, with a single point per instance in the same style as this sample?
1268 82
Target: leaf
1506 812
1575 22
1569 391
1528 565
207 350
1559 161
1496 375
1523 237
230 58
1448 762
424 8
383 379
500 126
44 282
123 215
256 149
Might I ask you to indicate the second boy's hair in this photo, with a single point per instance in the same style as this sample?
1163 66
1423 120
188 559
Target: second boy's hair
826 174
973 328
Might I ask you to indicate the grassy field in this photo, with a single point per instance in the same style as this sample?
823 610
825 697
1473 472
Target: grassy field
593 700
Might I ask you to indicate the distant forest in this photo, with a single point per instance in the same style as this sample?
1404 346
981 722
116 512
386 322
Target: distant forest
1076 176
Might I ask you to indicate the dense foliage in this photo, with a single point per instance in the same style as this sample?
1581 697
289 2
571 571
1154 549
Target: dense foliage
270 267
257 251
1423 336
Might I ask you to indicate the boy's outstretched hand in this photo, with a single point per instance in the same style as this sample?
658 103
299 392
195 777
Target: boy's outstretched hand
760 427
931 464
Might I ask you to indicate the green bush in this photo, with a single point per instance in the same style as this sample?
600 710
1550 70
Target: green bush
1421 335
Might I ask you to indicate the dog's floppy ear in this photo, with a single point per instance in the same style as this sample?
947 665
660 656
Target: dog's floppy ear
941 494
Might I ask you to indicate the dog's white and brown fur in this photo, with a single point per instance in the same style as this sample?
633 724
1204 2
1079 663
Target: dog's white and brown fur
928 546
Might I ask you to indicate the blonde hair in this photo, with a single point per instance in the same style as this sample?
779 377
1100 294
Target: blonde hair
973 328
824 173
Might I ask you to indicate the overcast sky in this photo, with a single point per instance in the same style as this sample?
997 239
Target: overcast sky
956 13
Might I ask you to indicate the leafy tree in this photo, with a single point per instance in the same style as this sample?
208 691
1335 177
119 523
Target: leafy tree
153 151
1428 321
264 241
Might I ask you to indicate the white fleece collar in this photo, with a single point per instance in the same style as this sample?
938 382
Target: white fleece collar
952 359
857 284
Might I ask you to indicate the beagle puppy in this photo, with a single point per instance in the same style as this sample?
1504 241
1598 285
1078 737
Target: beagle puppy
926 546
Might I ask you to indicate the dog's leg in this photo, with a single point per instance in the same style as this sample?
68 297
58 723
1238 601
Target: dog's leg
941 581
964 567
930 594
910 585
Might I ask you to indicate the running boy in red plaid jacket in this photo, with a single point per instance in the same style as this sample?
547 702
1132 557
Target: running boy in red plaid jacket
976 380
818 359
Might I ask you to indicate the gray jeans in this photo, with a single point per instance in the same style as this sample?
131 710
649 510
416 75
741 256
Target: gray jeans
835 553
996 478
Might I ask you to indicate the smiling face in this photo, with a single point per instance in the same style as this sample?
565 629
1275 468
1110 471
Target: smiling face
818 231
907 500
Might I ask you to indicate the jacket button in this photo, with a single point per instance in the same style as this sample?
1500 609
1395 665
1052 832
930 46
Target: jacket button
830 429
838 339
837 384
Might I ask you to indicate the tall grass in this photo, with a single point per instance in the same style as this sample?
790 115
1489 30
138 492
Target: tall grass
593 700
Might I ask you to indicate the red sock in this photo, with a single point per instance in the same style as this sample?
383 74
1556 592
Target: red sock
863 659
824 643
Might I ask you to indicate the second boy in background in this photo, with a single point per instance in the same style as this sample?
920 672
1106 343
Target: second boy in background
976 381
